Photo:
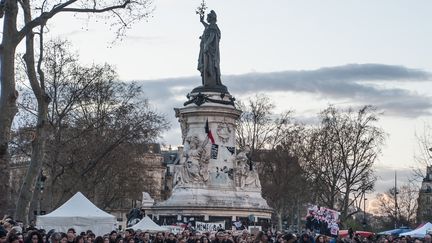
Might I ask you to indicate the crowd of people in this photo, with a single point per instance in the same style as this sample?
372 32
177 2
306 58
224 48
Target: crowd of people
14 232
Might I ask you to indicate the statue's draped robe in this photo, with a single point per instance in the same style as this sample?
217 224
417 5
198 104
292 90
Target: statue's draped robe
209 57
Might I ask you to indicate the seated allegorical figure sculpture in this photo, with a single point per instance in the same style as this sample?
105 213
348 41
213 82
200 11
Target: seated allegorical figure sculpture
195 166
247 174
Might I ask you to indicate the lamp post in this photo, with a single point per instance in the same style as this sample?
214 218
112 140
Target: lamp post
40 186
364 185
396 202
364 213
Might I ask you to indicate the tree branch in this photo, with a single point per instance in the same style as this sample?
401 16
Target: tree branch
45 16
41 20
95 10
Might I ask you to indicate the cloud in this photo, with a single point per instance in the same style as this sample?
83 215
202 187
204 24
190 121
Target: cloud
357 83
386 177
353 81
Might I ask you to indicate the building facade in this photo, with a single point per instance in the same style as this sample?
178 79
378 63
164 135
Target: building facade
424 210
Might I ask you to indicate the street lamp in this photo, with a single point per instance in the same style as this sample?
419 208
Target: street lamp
364 184
396 202
364 213
40 185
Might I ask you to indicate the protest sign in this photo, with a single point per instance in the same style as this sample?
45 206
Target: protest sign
209 226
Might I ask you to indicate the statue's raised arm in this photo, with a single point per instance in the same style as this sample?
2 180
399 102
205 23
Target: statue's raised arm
203 22
209 57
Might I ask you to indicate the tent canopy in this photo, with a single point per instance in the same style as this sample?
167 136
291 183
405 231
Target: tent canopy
395 232
146 224
419 232
78 213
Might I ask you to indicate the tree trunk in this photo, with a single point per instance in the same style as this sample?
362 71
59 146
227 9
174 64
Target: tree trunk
28 187
279 220
39 140
8 97
346 202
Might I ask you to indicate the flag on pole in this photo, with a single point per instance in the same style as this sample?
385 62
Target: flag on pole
209 133
214 147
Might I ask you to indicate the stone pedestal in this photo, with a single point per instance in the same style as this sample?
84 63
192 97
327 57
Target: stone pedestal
212 179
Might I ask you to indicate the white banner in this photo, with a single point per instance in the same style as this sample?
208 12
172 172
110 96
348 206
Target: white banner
209 226
317 215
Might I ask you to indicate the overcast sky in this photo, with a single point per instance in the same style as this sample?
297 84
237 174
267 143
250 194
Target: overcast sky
304 54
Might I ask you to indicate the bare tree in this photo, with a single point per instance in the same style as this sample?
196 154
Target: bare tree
405 211
283 180
91 119
423 158
253 121
340 155
121 14
424 155
275 141
258 127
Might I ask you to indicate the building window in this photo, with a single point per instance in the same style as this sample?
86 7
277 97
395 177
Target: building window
427 199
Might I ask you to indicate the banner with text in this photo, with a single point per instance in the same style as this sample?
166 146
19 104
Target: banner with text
209 226
322 220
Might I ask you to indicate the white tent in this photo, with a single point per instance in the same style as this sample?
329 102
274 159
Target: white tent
146 224
78 213
419 232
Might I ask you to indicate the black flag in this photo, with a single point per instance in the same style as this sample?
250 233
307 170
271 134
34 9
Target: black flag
231 150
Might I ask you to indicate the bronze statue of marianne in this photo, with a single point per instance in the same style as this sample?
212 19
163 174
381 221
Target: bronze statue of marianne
209 59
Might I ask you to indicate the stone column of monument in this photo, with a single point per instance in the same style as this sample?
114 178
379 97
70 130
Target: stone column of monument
212 178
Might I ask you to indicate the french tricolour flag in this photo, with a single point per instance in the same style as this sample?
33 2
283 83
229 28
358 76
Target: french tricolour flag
209 133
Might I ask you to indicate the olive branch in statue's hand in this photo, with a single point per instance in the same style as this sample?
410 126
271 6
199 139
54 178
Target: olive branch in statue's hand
201 10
